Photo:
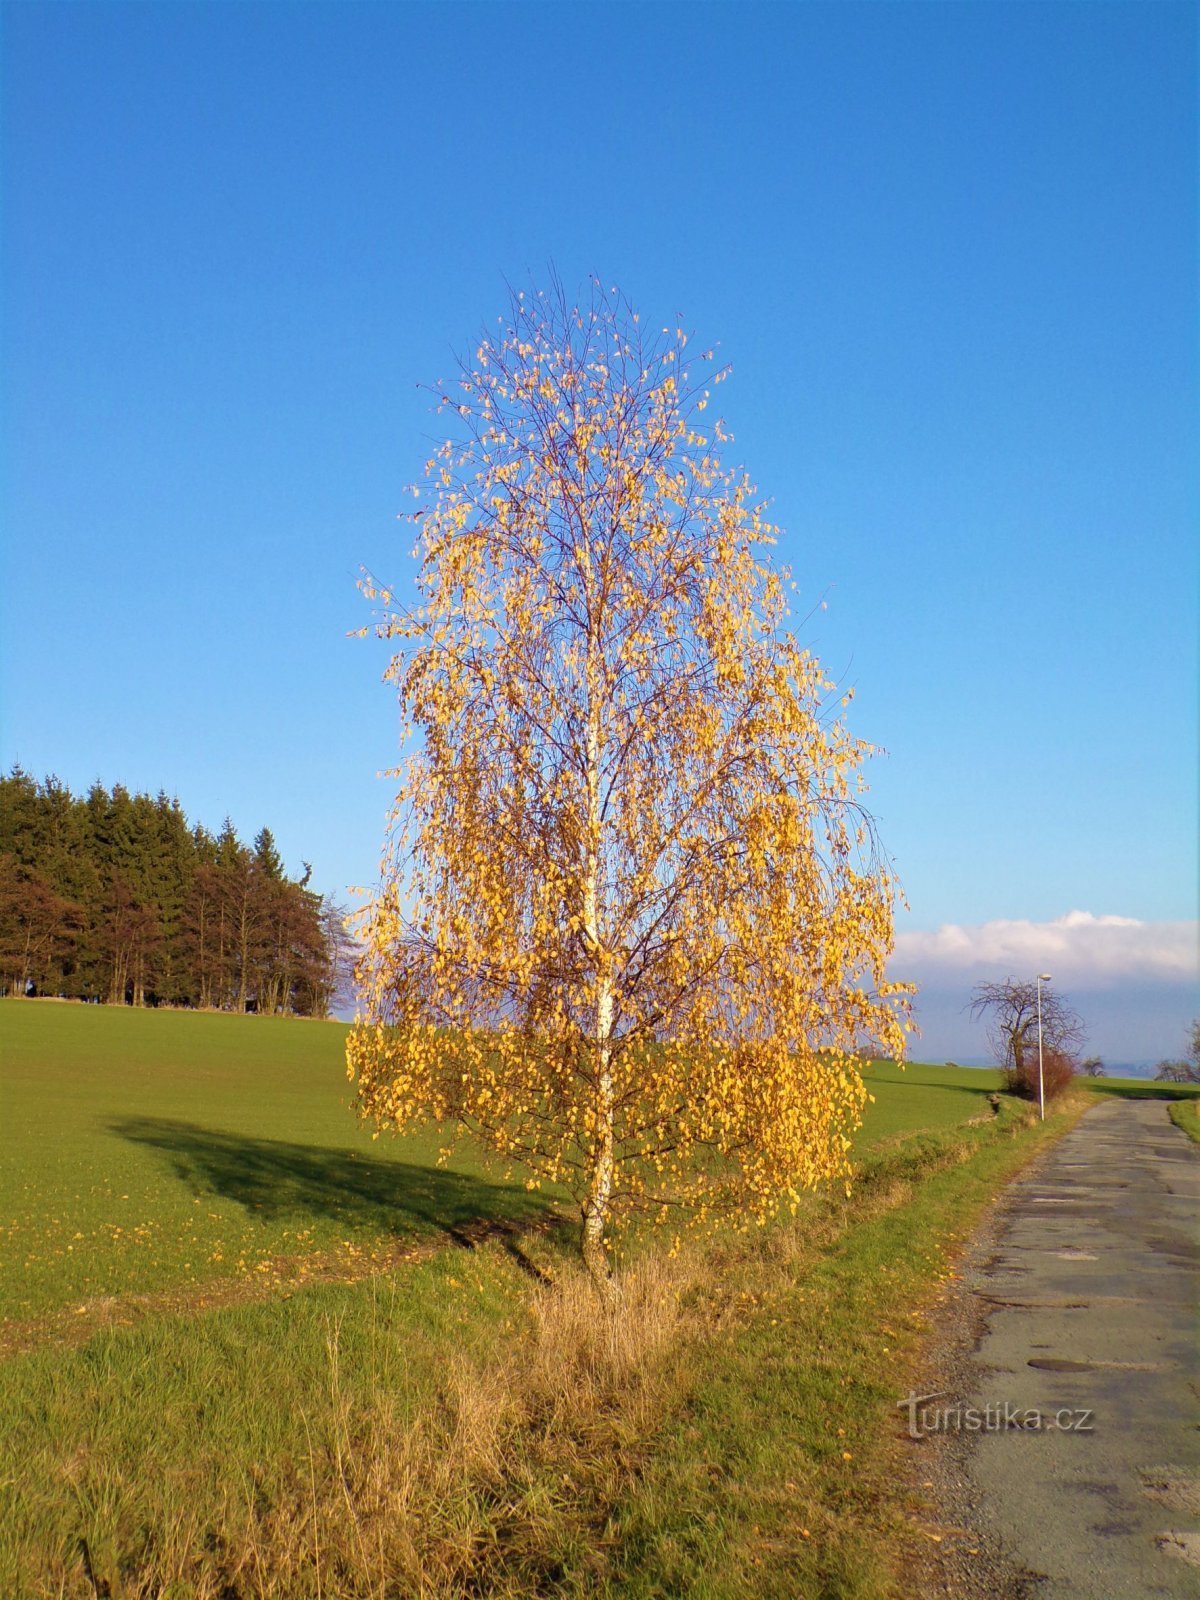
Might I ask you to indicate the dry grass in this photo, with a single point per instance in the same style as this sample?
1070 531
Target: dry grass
505 1483
509 1475
466 1496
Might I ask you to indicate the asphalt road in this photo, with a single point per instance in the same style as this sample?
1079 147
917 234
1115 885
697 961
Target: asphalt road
1081 1477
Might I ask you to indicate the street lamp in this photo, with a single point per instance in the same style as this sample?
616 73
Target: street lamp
1043 977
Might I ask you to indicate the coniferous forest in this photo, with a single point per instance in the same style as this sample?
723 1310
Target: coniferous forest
117 898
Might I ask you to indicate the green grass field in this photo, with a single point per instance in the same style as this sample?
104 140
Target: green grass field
254 1357
1185 1114
148 1150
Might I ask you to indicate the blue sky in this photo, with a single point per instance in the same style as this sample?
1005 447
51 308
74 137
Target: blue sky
948 249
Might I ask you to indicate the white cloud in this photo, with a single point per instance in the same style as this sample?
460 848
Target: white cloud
1079 948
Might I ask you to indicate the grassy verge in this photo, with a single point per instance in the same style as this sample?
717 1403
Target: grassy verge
1185 1114
456 1429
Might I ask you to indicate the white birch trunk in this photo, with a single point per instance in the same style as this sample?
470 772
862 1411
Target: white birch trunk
595 1207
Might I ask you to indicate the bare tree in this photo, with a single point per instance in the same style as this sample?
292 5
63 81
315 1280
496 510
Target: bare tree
1186 1070
1010 1008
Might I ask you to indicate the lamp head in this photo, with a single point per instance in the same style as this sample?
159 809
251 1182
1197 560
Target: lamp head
1043 977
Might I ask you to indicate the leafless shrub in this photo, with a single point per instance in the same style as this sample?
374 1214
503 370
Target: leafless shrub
1058 1071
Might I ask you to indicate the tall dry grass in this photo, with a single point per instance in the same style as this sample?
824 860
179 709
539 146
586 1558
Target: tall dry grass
502 1478
466 1496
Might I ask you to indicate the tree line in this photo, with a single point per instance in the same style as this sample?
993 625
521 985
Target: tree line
115 897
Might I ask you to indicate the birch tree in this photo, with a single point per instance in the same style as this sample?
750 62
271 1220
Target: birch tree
633 919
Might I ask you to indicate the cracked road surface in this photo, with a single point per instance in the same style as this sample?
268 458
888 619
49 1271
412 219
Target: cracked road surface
1086 1282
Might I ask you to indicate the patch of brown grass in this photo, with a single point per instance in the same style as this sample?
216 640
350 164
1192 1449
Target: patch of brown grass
75 1324
504 1478
468 1496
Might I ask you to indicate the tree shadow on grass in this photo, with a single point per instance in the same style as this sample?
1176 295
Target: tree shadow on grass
273 1179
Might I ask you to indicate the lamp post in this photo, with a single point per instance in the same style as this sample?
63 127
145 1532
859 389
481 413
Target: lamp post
1043 977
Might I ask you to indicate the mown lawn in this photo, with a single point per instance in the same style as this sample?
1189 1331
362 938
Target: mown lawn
450 1425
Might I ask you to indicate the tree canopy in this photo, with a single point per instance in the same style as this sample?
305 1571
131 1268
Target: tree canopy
634 917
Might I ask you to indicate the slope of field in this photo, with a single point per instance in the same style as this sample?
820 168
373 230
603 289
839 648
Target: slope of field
145 1150
149 1149
456 1424
919 1097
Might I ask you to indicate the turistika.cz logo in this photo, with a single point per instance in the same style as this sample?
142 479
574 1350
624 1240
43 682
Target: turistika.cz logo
925 1416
